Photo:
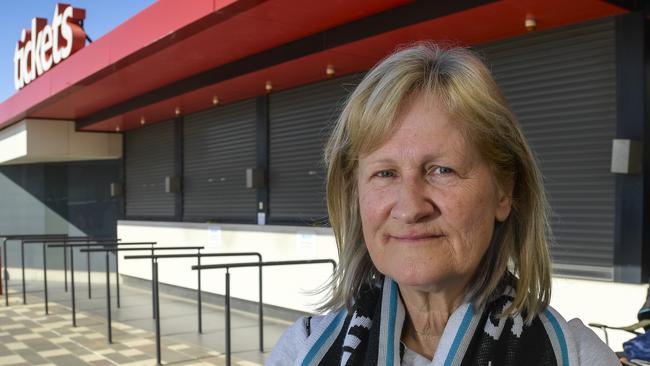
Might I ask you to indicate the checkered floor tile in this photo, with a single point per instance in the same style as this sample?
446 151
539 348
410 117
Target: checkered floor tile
27 337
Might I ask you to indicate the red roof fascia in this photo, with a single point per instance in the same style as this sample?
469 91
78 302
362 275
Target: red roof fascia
128 60
130 41
506 20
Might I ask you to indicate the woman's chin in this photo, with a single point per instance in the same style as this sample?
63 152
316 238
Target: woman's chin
427 280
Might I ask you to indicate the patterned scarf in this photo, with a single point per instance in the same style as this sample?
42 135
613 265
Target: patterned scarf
370 335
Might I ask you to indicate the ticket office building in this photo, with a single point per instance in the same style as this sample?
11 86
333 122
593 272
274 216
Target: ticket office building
155 141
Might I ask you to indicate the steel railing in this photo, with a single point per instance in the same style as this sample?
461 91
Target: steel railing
228 266
109 331
112 244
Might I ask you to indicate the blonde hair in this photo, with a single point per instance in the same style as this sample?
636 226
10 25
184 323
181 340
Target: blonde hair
462 85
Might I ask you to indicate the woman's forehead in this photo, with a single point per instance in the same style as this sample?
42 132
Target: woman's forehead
422 130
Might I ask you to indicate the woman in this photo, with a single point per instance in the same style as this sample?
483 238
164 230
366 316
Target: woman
439 214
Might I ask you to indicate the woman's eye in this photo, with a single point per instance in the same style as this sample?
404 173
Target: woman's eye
441 170
385 174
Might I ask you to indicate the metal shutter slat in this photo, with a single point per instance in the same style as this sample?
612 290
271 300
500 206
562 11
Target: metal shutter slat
300 121
220 144
561 84
149 159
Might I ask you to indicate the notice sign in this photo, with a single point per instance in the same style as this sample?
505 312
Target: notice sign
214 237
45 45
306 244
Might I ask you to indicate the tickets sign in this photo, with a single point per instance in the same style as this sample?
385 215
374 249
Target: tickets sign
45 45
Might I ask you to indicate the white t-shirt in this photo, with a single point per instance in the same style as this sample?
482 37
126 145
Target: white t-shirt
412 358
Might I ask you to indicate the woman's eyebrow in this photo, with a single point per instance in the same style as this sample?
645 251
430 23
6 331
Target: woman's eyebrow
428 158
381 161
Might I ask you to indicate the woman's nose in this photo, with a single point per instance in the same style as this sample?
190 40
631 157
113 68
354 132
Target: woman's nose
412 203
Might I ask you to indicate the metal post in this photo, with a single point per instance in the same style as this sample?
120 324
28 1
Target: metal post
2 268
88 267
74 301
4 258
198 262
22 263
157 311
65 267
153 297
47 310
261 310
117 277
109 331
227 317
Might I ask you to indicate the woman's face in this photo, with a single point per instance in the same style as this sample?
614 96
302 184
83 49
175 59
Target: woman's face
428 201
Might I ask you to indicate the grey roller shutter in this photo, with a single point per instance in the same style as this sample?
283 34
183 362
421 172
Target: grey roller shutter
300 120
562 86
219 145
149 158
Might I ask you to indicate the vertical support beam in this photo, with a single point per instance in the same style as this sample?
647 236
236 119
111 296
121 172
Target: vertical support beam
22 265
88 269
153 285
117 277
47 308
262 139
65 267
261 305
178 166
2 268
122 180
262 153
72 288
109 328
199 300
631 246
157 310
228 355
6 271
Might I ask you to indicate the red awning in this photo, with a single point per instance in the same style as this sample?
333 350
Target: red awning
172 40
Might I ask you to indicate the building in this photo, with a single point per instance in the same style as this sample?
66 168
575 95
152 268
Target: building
148 132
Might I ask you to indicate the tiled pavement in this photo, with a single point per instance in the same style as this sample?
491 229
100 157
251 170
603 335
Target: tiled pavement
29 337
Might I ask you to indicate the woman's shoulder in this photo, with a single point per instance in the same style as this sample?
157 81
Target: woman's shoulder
580 340
294 339
591 349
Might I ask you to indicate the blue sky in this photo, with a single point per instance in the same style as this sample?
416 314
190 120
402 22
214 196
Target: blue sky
101 17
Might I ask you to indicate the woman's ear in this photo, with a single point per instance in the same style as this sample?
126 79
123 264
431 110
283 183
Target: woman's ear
504 203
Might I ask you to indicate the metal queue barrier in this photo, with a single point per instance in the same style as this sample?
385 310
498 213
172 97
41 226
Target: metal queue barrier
198 256
112 244
35 239
228 266
5 240
77 239
65 239
45 242
109 330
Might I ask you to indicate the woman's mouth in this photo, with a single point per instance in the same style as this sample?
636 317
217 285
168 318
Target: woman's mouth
415 237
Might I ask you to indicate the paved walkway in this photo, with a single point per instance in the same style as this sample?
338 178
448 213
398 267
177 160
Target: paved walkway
29 337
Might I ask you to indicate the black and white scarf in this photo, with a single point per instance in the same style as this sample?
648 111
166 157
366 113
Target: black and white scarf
370 335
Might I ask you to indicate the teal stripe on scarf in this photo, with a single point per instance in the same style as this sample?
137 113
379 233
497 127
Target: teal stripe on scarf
390 351
323 338
560 337
459 336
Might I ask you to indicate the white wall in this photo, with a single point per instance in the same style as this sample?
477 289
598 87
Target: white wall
283 286
13 142
591 301
601 302
40 140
